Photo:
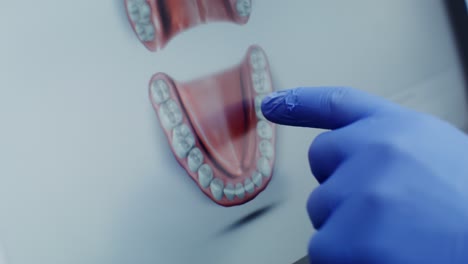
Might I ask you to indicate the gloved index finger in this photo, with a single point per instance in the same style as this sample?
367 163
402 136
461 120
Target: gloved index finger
321 107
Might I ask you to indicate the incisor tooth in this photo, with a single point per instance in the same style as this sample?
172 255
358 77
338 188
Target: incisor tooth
240 191
229 191
249 185
257 179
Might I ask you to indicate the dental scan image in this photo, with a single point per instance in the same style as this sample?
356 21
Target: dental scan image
132 130
156 22
231 155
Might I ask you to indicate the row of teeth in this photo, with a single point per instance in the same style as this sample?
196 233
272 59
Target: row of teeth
260 79
139 12
183 143
262 86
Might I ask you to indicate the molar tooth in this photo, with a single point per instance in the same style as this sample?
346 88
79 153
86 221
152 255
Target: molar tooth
216 187
243 7
170 114
145 32
145 14
195 159
249 185
257 179
258 106
134 16
133 9
263 166
205 175
140 30
266 149
258 59
240 191
229 191
264 130
159 91
261 82
182 140
149 30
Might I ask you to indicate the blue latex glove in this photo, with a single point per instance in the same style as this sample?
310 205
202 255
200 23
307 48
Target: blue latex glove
394 182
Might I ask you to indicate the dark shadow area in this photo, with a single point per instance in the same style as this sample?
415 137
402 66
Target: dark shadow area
247 219
458 15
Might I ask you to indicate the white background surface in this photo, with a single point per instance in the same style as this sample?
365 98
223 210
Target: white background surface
85 172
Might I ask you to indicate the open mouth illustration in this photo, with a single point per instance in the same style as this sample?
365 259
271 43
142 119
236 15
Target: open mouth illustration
156 21
216 129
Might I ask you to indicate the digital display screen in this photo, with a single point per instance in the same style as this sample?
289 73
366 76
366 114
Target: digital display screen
132 131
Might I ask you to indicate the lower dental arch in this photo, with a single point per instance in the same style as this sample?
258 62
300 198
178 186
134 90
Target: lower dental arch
216 129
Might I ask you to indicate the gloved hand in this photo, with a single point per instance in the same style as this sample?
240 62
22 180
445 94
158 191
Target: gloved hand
394 182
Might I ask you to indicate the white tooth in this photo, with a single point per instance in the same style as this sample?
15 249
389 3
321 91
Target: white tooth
257 179
160 91
264 130
229 191
134 16
145 14
170 114
249 185
182 140
263 166
205 175
258 106
195 159
258 60
243 7
140 30
140 13
144 37
266 149
149 30
145 32
240 191
216 187
133 10
261 82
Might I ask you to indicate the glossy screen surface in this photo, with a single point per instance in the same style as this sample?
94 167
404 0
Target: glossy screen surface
88 172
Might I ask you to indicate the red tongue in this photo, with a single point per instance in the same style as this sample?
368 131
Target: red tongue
218 115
